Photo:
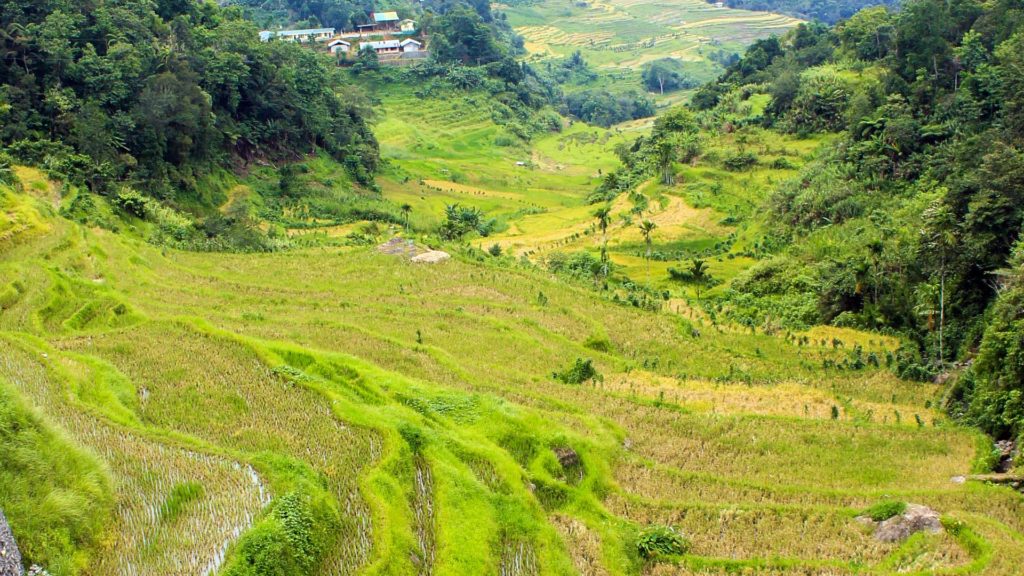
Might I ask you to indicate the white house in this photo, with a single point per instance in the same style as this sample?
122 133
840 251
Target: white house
307 35
407 26
410 45
339 46
382 46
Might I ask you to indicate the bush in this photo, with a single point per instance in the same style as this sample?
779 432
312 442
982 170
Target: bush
292 539
132 202
598 342
660 540
582 370
740 161
580 265
6 173
782 164
461 220
885 509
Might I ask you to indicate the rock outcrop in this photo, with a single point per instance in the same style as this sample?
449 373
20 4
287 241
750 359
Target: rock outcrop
10 558
914 519
432 257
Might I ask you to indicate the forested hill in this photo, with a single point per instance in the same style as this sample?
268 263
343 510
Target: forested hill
910 220
157 94
827 11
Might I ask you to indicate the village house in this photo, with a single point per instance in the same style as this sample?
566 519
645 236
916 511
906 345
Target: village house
339 46
380 22
382 47
407 26
308 35
396 52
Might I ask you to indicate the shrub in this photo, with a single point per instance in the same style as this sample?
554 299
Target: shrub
579 265
6 173
132 202
885 509
292 539
598 342
413 436
579 372
782 164
740 161
660 540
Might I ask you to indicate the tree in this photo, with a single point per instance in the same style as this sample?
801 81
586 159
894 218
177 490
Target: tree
666 150
604 218
646 229
406 210
940 238
461 35
666 74
366 61
698 271
603 108
868 34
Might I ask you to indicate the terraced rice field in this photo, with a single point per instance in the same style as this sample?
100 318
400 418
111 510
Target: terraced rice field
621 35
416 405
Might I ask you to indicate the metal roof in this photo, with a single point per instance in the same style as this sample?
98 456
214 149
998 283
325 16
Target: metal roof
380 44
267 34
385 16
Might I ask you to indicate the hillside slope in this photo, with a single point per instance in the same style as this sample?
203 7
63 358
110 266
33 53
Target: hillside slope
337 410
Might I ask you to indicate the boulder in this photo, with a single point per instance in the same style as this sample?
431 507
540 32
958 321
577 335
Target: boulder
1007 450
10 558
915 518
431 257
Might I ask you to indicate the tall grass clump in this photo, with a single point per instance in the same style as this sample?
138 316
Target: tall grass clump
56 497
659 541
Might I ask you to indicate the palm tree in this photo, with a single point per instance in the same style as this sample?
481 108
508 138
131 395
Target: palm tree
604 218
406 210
647 228
699 273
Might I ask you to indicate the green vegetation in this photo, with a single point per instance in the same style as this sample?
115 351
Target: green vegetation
699 343
602 108
666 74
655 541
107 95
885 510
830 11
619 40
579 372
55 495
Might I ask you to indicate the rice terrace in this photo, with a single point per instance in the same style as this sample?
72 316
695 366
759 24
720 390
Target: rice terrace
537 287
